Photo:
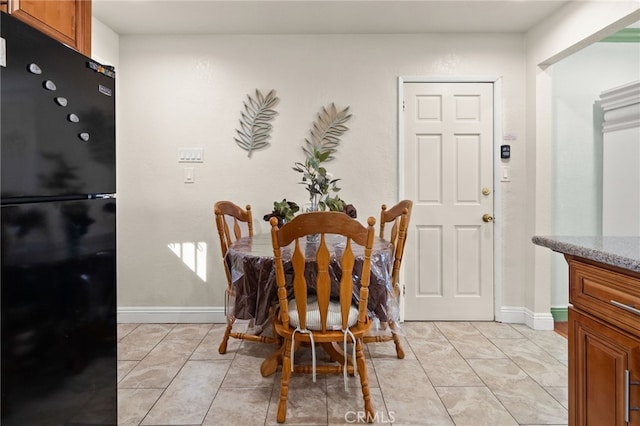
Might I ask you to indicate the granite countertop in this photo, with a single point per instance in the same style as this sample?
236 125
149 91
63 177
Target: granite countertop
623 252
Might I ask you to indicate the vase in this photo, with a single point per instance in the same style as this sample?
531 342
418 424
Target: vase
313 206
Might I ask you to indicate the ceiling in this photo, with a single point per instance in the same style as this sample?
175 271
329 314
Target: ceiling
321 16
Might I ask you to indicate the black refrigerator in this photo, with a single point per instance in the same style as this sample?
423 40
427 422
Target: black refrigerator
58 285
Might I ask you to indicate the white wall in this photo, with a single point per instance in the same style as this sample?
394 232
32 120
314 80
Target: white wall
105 44
573 27
578 81
187 91
621 156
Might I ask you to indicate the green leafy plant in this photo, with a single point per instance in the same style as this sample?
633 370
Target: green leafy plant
318 181
283 210
334 204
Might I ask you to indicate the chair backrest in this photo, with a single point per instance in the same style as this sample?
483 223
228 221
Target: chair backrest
322 223
400 214
228 213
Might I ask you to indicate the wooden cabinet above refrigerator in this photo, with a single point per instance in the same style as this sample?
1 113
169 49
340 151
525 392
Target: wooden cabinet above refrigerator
68 21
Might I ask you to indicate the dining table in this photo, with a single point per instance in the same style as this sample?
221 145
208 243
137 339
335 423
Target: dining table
251 263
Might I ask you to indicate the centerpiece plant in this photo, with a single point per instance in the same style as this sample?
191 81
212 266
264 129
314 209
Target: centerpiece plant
319 182
319 148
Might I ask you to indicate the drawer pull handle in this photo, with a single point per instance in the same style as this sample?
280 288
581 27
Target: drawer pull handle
626 307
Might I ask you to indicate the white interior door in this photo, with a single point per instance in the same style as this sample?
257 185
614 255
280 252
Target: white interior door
448 173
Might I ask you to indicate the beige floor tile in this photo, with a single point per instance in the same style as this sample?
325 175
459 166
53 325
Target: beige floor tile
189 331
140 341
497 330
158 368
134 404
527 401
476 346
443 364
135 349
208 348
354 381
551 341
163 368
388 349
347 407
561 394
187 399
122 330
474 406
457 329
124 368
245 368
409 395
536 362
306 401
146 330
421 331
239 406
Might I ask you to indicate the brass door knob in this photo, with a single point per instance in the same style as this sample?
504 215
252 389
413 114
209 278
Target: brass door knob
487 218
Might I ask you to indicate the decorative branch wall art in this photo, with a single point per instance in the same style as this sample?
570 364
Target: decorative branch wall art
326 131
255 126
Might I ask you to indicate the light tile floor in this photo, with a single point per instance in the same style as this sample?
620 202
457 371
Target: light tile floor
454 373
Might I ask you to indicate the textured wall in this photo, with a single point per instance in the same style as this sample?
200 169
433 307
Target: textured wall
187 91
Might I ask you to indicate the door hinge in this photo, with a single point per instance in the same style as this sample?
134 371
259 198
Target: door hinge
404 289
403 106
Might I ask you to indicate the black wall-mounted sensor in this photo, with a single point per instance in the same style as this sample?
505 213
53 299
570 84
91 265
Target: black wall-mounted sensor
505 151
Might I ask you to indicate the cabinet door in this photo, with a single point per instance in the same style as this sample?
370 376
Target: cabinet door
600 356
68 21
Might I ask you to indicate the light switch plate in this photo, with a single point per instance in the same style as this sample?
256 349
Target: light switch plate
191 155
505 174
189 175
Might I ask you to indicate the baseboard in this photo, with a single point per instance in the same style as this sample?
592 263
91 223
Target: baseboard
521 315
560 314
169 314
216 315
511 315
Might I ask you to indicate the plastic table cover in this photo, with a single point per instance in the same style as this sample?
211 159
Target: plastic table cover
251 262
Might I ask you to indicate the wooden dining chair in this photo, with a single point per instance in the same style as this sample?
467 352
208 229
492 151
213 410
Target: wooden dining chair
230 221
312 317
399 216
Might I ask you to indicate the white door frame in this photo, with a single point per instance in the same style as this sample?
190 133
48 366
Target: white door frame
497 188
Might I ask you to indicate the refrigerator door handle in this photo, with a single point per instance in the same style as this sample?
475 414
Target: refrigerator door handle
103 196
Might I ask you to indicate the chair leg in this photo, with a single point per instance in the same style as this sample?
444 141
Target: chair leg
396 340
222 349
364 381
284 383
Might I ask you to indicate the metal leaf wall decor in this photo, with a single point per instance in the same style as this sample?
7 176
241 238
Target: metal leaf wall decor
327 130
255 126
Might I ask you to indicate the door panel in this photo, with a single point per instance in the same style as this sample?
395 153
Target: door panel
447 163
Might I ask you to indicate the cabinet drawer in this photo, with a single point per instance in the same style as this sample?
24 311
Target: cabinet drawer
605 292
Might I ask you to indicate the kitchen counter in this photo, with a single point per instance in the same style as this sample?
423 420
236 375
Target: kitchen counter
622 252
604 328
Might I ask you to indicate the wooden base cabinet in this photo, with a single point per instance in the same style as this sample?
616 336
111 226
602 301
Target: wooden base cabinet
604 345
600 392
68 21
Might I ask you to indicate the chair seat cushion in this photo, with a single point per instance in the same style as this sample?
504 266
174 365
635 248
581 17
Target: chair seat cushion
334 318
